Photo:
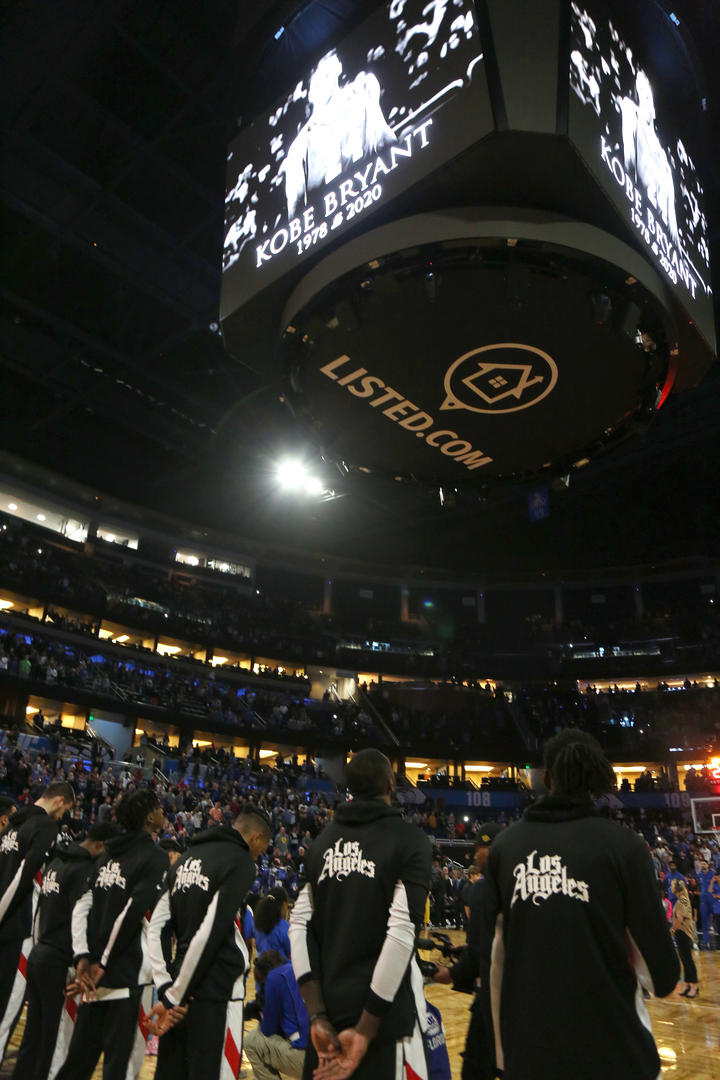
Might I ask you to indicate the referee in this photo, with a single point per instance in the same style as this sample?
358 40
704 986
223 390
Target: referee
353 932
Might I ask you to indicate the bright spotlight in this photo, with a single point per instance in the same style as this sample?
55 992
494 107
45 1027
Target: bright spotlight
294 477
291 474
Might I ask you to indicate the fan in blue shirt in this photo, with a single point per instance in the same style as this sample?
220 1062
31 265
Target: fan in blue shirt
277 1045
271 926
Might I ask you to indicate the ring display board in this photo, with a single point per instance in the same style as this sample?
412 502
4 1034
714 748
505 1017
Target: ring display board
635 114
400 96
488 361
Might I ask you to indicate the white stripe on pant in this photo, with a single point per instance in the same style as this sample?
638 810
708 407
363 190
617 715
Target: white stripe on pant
17 996
232 1046
410 1060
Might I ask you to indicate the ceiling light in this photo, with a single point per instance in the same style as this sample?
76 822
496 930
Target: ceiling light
4 604
479 768
291 474
416 765
41 517
119 640
12 506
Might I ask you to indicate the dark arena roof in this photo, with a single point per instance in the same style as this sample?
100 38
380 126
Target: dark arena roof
114 373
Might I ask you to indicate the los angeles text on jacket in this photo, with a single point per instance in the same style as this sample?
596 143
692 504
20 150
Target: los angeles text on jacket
201 901
107 920
24 846
355 922
573 924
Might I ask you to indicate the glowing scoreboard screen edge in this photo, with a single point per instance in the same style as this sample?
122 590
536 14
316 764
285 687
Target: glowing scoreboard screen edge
400 96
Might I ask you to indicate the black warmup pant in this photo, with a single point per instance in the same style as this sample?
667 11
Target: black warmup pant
378 1064
103 1027
46 980
206 1045
479 1053
684 945
10 1004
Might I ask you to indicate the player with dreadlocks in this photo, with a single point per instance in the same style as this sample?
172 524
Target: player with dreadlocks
574 931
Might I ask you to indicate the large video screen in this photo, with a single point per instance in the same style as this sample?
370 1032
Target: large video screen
635 120
404 93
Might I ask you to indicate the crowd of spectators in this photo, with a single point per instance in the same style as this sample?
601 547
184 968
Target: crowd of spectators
210 609
212 785
628 721
485 723
207 700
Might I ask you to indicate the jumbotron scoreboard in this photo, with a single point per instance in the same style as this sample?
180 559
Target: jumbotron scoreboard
470 241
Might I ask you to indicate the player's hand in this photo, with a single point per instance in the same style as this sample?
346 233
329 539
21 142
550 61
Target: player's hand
160 1019
324 1037
177 1014
84 983
157 1020
353 1047
442 975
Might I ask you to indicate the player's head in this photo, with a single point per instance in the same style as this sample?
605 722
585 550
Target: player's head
97 835
324 80
486 834
646 101
576 767
8 807
57 799
173 848
140 810
369 775
255 827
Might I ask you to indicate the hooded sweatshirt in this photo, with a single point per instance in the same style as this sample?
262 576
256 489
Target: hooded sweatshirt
24 846
201 902
573 931
107 920
356 920
65 880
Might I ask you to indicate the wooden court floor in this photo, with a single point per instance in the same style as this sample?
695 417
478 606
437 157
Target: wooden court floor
687 1032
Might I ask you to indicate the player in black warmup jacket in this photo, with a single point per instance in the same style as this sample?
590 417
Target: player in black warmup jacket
353 931
574 932
107 932
200 1012
49 969
24 846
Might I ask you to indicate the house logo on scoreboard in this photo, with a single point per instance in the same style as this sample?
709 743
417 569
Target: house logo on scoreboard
500 378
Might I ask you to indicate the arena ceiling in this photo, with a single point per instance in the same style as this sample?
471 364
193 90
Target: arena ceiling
116 117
